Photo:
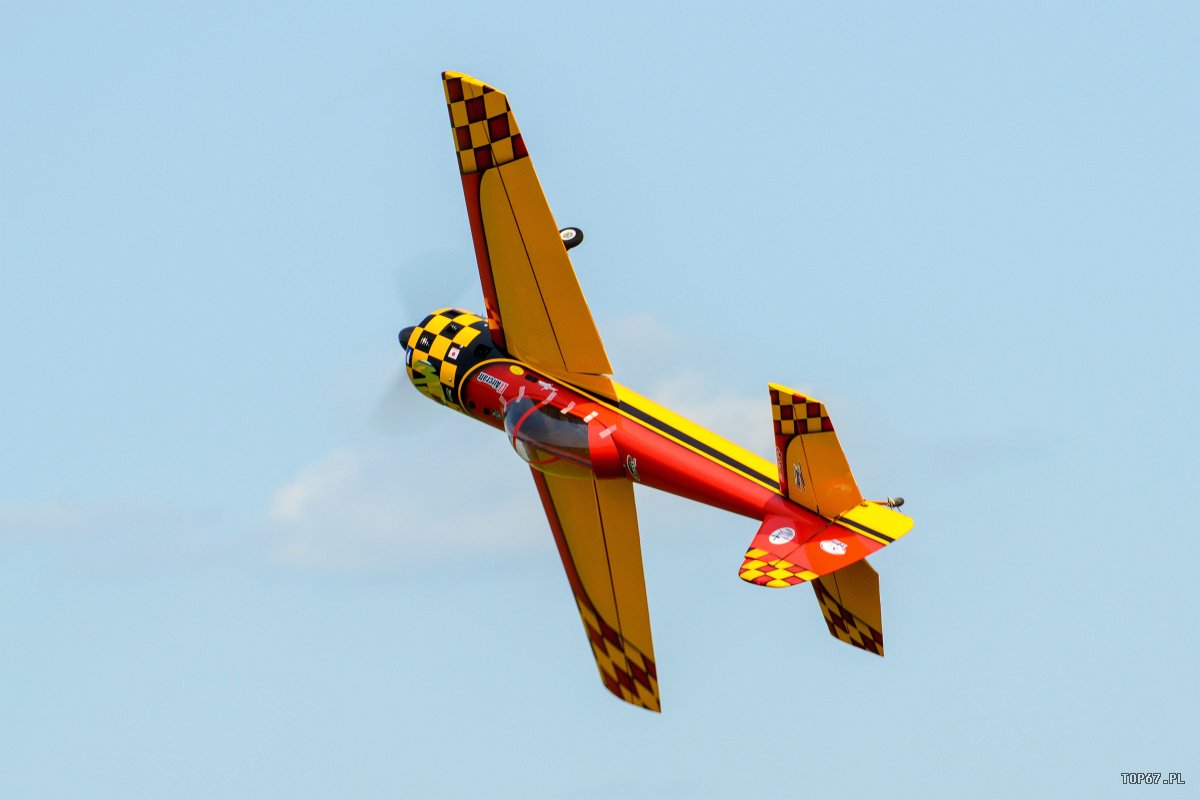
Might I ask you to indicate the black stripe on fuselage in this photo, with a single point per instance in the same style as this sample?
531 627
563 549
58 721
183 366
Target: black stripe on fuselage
662 427
868 531
625 407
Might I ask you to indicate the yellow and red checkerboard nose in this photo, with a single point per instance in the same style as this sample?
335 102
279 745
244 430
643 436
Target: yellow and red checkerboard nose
439 349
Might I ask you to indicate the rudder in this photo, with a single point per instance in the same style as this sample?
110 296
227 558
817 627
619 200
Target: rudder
813 471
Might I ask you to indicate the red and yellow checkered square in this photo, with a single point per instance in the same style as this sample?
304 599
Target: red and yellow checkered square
759 567
485 132
844 625
626 671
794 413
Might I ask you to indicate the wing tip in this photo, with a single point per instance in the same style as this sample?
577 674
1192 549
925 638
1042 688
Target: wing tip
633 686
485 132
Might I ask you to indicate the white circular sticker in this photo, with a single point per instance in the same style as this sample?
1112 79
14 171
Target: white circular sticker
835 547
781 536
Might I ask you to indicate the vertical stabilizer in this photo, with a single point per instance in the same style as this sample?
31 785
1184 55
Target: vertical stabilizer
812 468
849 601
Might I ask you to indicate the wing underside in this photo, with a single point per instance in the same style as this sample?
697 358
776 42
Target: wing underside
536 310
595 526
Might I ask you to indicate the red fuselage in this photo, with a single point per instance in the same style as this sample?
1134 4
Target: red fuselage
564 430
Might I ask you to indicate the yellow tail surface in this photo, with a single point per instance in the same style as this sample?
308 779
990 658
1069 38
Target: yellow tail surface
812 468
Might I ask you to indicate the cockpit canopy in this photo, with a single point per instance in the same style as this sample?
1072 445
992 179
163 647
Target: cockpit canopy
547 439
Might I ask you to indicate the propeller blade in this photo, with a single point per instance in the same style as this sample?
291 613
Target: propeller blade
437 279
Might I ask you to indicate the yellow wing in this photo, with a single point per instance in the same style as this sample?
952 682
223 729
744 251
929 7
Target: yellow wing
595 526
535 307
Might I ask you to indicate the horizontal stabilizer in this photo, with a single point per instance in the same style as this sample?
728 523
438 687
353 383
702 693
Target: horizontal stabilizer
788 550
880 523
849 600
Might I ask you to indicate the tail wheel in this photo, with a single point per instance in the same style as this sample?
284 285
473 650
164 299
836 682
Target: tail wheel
571 237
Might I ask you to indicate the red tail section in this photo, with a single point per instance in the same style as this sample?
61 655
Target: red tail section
791 550
841 529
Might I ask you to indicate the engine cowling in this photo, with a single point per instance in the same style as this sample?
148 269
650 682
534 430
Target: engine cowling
447 344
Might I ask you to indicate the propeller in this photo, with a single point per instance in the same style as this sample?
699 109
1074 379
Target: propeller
424 282
437 279
400 406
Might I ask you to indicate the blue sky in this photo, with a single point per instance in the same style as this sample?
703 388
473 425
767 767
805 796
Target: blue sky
237 560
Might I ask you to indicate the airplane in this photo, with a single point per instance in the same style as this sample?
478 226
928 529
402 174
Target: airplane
534 367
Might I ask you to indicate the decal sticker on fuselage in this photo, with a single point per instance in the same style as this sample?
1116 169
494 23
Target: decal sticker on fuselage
631 465
492 381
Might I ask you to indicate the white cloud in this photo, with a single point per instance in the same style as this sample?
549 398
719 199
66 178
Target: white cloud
386 505
330 477
74 518
432 481
641 331
107 536
440 481
744 420
656 360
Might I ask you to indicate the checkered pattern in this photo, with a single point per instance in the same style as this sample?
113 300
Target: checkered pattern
760 568
795 413
438 344
625 670
425 378
485 132
844 625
